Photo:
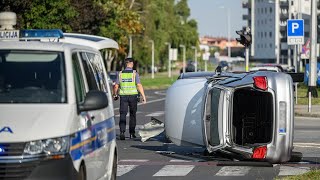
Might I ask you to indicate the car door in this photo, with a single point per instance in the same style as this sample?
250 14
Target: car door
107 116
215 118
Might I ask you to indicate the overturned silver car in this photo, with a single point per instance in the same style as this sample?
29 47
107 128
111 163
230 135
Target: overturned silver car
246 114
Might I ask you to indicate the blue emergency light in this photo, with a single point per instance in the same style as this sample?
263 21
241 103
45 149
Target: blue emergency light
41 33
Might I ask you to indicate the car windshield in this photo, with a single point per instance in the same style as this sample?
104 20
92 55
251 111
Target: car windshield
32 77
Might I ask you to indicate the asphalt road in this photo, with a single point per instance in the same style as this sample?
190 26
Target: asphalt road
156 159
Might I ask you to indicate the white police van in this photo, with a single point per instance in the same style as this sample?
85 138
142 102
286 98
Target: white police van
56 109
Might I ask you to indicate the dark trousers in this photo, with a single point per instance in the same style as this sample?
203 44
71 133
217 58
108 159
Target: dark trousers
125 102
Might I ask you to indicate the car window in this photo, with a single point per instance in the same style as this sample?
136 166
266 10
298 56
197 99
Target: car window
78 79
32 77
89 72
214 116
97 65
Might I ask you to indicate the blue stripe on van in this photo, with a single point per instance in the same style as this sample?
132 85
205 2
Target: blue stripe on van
90 139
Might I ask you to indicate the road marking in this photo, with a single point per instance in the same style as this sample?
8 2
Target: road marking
148 102
175 170
123 169
155 114
160 93
128 114
290 171
233 171
179 160
307 145
134 160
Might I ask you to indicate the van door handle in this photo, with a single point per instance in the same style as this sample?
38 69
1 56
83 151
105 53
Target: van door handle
92 118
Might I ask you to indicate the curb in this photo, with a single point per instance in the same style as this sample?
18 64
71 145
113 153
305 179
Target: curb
307 115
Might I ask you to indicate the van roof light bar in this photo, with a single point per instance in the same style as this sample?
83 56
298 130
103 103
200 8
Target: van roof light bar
41 33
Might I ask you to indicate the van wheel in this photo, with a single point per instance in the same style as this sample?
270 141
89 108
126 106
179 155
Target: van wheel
82 173
114 167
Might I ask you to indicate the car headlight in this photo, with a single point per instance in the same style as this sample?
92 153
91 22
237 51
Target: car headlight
47 146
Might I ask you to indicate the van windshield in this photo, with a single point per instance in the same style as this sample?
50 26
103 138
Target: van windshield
32 77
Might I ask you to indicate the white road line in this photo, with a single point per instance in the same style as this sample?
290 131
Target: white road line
175 170
155 114
137 127
160 93
134 160
290 171
148 102
307 144
233 171
179 160
123 169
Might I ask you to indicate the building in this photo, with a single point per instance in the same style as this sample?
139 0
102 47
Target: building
268 22
220 44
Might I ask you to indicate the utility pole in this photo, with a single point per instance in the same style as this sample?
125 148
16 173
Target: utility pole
169 60
195 58
152 66
312 89
277 37
184 57
130 46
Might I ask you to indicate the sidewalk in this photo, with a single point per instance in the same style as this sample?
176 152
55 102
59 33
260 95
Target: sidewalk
302 110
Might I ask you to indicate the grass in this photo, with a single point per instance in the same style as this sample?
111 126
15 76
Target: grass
311 175
302 95
160 81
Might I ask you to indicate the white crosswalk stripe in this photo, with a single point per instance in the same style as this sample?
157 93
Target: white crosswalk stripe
290 171
233 171
175 170
123 169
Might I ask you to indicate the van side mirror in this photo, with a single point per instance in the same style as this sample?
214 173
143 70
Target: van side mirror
94 100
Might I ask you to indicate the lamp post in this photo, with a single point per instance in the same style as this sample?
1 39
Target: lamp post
184 57
195 58
169 60
152 66
130 46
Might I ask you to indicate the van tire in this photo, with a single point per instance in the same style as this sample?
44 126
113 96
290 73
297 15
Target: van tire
114 167
82 173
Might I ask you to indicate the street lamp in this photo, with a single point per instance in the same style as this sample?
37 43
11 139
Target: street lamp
195 58
152 66
228 27
169 60
184 57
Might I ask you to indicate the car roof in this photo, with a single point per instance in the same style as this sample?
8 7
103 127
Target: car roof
96 42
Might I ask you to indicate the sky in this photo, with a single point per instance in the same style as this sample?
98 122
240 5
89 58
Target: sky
211 16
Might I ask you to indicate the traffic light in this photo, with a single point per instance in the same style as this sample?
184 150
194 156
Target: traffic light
245 37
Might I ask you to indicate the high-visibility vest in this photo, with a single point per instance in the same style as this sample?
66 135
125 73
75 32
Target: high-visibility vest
127 80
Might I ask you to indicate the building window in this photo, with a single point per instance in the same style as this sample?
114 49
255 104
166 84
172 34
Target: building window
270 34
270 45
270 10
265 10
265 34
306 21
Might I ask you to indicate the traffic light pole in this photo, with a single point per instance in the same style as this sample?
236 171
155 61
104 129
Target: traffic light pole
247 58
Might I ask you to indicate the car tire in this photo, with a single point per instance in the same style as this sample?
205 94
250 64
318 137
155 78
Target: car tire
82 173
114 167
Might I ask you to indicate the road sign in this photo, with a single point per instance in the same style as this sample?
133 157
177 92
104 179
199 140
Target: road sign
295 31
173 54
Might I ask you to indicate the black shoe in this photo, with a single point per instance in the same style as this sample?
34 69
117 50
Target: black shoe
132 135
122 137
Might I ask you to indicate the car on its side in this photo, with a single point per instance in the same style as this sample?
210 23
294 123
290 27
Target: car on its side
248 115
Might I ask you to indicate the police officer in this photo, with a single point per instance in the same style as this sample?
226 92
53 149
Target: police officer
127 85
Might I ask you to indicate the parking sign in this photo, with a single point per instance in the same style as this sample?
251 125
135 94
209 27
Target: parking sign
295 31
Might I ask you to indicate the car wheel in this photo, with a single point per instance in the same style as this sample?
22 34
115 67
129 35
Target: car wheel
114 167
82 173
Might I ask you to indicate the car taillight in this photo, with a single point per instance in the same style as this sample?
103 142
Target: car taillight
260 82
259 152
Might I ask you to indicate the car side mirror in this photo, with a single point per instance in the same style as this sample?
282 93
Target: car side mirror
94 100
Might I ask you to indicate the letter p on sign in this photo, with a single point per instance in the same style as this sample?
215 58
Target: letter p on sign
294 27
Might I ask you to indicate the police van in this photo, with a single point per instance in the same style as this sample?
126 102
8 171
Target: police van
56 109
